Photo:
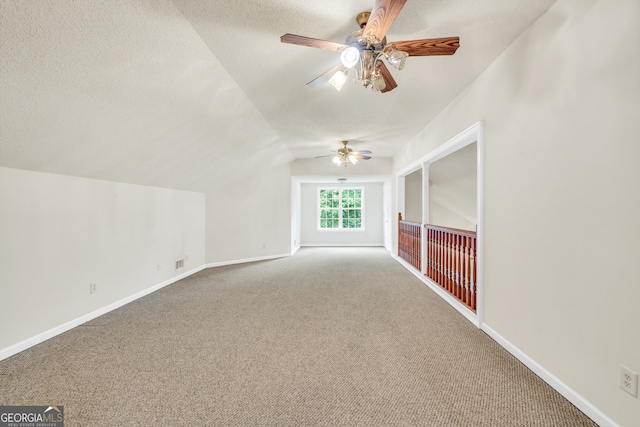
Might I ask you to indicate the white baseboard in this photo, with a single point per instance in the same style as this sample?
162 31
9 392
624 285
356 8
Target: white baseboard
577 400
37 339
242 261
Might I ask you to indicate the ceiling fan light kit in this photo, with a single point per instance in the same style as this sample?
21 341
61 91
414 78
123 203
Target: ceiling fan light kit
365 49
346 155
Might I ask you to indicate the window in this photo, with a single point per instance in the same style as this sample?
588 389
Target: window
341 209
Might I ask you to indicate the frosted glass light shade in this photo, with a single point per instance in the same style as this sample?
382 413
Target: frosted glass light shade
338 79
378 82
350 57
396 57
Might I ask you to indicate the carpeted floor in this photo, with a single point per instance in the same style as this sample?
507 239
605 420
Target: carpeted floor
328 337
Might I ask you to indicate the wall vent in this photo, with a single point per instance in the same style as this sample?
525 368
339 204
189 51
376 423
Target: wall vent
179 263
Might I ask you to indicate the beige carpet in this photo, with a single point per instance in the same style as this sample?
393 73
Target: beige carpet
328 337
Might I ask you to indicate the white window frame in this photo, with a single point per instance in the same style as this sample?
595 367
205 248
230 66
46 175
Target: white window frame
341 189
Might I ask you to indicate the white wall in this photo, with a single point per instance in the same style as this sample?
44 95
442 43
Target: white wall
296 229
58 234
561 111
250 219
453 183
373 217
443 216
413 197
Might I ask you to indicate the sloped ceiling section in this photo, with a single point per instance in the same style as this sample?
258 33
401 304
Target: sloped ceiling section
124 91
195 94
245 36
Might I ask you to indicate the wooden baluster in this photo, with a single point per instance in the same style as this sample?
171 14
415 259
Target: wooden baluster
440 258
429 252
436 256
419 246
414 259
456 276
413 245
419 243
453 265
417 231
450 262
446 262
473 275
405 249
470 290
407 244
404 241
443 261
463 295
443 241
459 273
465 277
454 284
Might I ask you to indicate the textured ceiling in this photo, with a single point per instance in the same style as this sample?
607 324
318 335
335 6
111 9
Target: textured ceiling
196 94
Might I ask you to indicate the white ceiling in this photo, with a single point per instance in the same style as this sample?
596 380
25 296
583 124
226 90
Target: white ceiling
196 94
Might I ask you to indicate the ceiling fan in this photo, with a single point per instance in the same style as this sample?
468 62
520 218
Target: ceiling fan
346 155
365 48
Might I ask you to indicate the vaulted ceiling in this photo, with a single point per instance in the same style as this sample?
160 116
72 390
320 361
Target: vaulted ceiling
193 94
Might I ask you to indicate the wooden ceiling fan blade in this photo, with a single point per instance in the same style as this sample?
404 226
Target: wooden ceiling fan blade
361 157
429 47
381 18
390 83
363 152
328 155
324 77
311 42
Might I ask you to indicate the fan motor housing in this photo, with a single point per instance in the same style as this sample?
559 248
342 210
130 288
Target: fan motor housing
356 39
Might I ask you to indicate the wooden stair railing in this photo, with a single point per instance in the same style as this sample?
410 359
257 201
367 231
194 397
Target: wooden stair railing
409 242
451 262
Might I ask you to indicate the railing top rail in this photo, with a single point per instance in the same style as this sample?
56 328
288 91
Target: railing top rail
467 233
402 221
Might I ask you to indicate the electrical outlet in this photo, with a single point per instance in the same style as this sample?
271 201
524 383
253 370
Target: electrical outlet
93 288
629 381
